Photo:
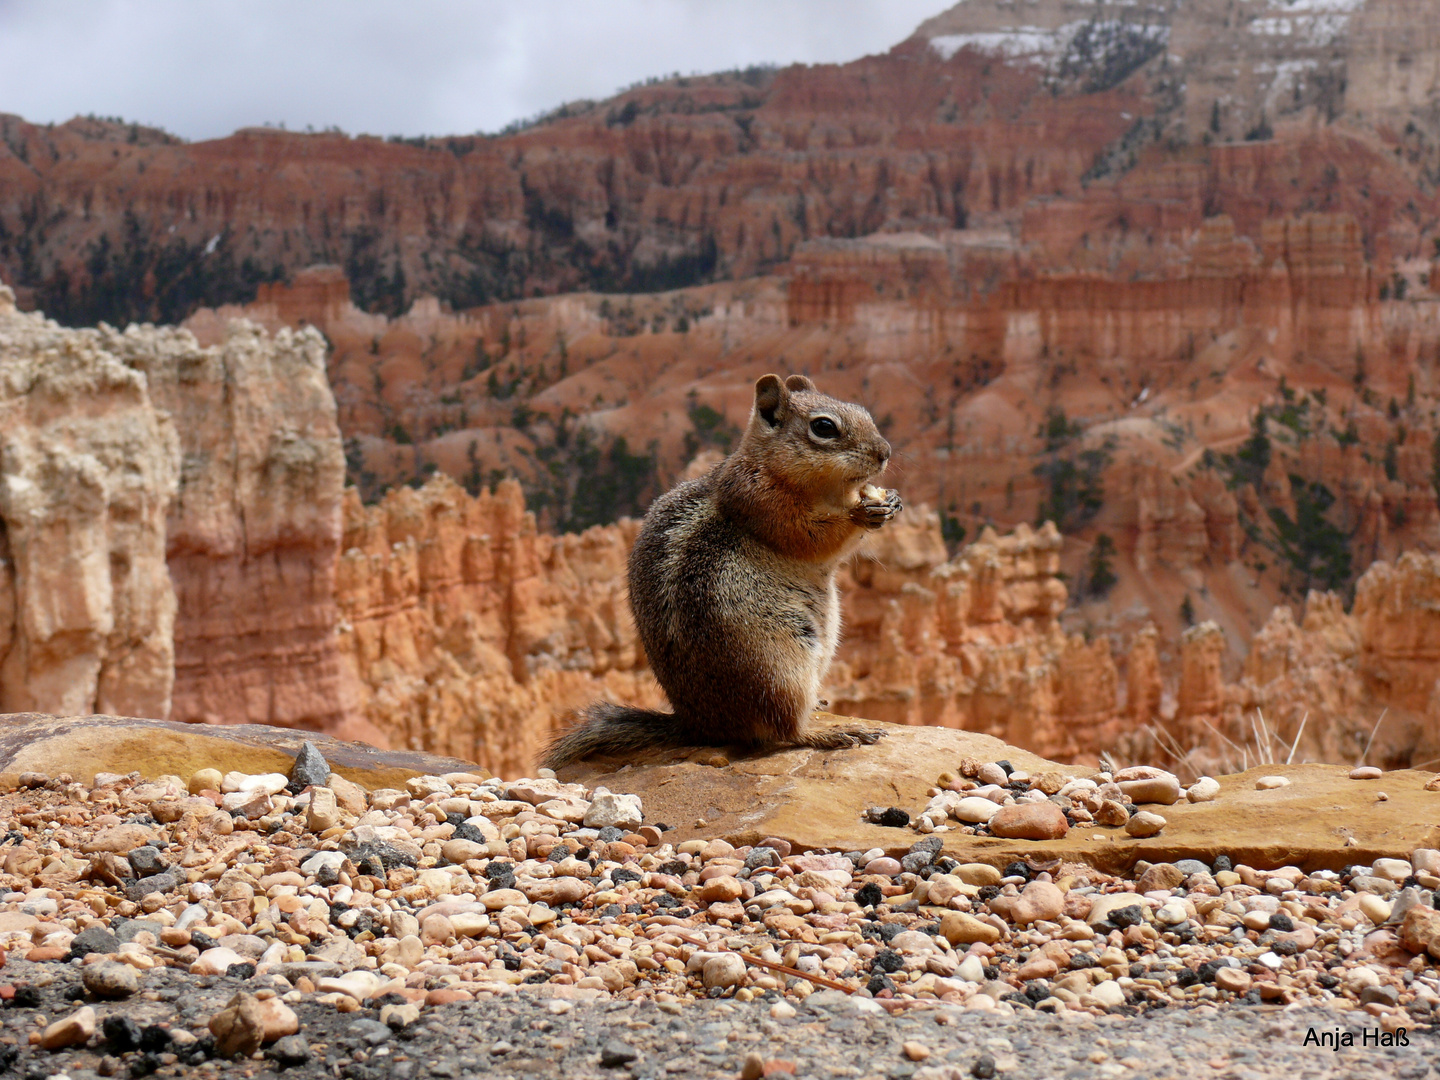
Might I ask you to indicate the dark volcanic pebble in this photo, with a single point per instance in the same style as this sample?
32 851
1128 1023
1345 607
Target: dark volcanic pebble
146 861
616 1053
310 768
290 1051
894 818
93 939
121 1033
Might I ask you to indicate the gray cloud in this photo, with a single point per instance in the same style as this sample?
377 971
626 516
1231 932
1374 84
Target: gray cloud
202 68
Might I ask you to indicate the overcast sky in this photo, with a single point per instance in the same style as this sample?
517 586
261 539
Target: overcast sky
202 68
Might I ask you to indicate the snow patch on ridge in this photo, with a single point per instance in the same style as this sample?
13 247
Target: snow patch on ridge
1022 41
1052 48
1315 23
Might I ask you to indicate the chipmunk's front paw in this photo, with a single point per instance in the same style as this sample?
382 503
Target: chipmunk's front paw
876 506
841 738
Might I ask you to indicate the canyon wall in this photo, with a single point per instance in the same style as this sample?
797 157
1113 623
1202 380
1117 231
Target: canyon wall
975 642
253 533
448 622
1335 686
89 465
473 633
1162 274
989 113
1174 414
171 525
972 642
469 632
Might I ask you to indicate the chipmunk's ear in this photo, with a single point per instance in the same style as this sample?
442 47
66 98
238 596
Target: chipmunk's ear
798 382
772 400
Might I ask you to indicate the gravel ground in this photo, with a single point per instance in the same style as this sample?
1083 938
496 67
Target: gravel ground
245 925
532 1034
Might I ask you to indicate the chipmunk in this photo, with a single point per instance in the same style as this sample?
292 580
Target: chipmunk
732 583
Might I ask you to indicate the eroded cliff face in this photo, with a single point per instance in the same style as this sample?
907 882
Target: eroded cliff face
973 642
452 623
89 466
470 632
1334 686
1175 415
1159 273
254 532
989 113
171 525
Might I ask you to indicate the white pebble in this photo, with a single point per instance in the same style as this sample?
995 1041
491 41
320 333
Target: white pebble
1203 790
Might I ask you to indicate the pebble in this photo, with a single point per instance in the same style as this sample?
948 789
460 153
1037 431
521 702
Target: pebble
615 1053
1103 906
1108 994
215 961
1267 783
1374 908
277 1020
974 809
290 1052
959 928
1205 789
724 971
1162 877
992 773
1366 772
1392 869
323 812
145 860
978 874
1030 821
971 970
310 768
110 979
719 890
1420 932
239 1028
621 811
1232 979
1144 824
1152 789
94 939
1038 901
71 1030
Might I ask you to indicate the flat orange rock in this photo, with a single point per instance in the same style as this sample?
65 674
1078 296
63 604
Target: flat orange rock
85 745
1320 820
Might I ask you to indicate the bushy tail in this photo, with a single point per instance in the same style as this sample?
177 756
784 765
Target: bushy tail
614 730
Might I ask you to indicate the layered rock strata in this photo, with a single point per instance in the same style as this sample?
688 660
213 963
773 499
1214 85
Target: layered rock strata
89 466
171 525
468 631
1339 686
253 535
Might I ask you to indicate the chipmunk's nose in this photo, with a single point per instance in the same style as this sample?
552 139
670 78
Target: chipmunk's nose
882 455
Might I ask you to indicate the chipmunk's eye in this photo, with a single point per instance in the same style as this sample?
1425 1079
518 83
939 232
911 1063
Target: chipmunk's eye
822 427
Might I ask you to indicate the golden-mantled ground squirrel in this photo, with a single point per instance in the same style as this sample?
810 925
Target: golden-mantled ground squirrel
732 582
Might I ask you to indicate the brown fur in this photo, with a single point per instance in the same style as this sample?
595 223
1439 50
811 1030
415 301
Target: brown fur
732 583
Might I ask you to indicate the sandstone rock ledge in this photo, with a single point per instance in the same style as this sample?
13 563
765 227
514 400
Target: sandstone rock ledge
85 745
1321 820
813 799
